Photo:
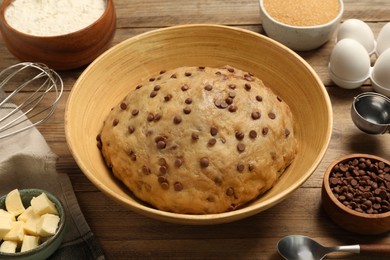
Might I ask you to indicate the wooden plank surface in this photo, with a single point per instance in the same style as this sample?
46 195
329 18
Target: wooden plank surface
124 234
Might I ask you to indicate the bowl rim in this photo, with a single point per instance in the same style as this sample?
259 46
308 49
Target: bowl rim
196 219
336 202
61 225
334 20
4 4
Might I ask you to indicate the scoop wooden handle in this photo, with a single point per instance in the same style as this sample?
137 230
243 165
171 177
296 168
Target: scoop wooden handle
377 249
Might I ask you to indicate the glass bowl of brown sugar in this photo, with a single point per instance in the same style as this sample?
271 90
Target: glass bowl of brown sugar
356 193
301 25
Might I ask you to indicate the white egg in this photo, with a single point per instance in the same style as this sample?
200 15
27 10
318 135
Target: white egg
359 31
381 70
383 40
349 60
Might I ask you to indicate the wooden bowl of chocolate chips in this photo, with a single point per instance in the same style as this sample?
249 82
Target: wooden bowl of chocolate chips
356 193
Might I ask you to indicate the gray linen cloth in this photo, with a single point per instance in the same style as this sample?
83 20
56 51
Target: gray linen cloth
26 161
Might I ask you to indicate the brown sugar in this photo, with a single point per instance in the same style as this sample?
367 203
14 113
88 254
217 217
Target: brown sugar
303 12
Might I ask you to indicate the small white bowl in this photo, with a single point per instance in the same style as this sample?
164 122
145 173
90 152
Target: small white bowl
299 38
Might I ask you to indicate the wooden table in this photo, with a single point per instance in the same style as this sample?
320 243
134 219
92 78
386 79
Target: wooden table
124 234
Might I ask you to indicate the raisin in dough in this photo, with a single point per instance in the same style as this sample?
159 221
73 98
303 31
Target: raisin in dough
199 140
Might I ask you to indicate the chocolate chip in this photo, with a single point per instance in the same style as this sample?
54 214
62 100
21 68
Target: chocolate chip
138 86
153 94
157 117
230 191
167 97
132 155
286 132
131 129
240 167
248 77
152 79
163 170
187 74
240 147
123 106
230 70
232 108
212 142
188 101
157 88
255 115
213 131
162 71
161 144
265 131
187 110
177 120
239 135
178 162
194 136
173 76
271 115
150 117
259 98
162 162
178 186
251 167
279 99
115 122
184 88
232 86
229 101
163 182
146 170
248 86
204 162
135 112
253 134
208 87
232 95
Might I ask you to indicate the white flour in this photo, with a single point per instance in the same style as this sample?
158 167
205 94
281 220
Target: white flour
53 17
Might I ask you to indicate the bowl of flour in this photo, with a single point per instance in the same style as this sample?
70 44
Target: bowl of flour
63 34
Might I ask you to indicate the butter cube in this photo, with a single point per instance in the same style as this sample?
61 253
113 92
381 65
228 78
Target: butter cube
7 214
42 205
25 214
5 226
16 233
48 224
31 224
8 246
13 202
29 242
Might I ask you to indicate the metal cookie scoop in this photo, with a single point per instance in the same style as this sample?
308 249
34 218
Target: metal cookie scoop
370 112
296 247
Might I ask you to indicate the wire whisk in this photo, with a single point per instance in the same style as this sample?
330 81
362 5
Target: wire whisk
34 91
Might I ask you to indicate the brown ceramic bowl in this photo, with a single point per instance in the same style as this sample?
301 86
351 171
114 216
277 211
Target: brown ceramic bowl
63 52
345 215
111 76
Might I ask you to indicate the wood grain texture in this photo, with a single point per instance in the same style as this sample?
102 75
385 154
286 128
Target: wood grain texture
124 234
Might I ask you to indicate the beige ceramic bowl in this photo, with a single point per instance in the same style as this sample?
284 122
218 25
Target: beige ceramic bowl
110 77
299 38
347 218
63 52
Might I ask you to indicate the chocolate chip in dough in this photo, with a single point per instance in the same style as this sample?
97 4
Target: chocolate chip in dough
204 162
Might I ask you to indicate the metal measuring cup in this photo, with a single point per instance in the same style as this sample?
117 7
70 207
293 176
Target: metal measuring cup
370 112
